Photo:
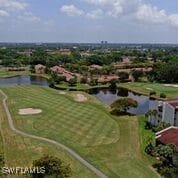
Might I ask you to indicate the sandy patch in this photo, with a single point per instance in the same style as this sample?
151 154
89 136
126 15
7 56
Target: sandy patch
29 111
149 88
80 98
62 92
171 85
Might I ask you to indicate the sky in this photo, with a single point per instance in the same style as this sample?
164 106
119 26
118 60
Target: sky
89 21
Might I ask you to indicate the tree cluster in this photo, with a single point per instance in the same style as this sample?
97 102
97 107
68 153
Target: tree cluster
121 106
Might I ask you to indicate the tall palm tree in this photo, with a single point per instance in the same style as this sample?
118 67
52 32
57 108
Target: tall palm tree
151 115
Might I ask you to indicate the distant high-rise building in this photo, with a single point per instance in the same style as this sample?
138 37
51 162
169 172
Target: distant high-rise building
104 42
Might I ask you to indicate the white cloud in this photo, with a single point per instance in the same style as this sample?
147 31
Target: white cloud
117 10
101 2
3 13
151 14
13 4
95 14
144 12
71 10
173 19
28 16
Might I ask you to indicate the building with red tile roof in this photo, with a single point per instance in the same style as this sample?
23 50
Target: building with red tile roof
168 136
40 69
107 78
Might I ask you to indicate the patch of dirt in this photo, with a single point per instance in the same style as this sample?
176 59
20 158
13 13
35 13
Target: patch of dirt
29 111
80 98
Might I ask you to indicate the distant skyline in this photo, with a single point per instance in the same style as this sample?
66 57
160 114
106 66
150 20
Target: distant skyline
89 21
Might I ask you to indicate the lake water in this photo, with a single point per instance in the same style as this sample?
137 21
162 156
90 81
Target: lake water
105 95
109 96
23 80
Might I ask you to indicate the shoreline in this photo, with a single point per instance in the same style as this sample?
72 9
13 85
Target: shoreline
58 87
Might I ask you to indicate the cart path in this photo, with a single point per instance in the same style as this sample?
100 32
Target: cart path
67 149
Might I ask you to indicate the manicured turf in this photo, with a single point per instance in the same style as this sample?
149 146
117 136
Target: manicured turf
5 73
22 151
86 127
80 123
145 136
80 86
145 88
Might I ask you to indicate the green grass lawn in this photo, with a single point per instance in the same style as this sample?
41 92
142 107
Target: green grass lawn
110 143
80 86
22 151
5 73
145 88
145 136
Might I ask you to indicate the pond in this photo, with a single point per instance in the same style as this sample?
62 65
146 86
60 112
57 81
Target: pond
105 95
109 96
23 80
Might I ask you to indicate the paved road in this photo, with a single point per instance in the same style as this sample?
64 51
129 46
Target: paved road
67 149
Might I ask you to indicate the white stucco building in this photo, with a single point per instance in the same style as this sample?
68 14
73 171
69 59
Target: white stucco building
167 111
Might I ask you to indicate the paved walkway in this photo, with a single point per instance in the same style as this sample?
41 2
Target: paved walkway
67 149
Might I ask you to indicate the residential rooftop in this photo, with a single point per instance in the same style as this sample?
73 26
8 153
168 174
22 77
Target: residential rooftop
168 136
174 104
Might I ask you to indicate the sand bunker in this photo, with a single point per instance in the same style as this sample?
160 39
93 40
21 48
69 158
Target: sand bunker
149 88
80 98
29 111
170 85
62 92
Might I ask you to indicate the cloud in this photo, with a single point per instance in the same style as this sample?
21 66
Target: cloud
28 16
151 14
3 13
173 19
137 9
71 10
116 11
101 2
95 14
13 5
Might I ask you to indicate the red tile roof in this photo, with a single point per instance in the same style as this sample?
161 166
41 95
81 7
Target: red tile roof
174 104
107 78
169 136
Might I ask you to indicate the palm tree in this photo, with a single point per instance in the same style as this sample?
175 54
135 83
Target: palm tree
151 115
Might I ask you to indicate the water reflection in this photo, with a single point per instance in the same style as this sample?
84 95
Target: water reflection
109 96
23 80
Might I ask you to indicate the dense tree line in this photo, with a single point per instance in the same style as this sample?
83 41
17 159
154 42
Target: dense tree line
12 57
165 72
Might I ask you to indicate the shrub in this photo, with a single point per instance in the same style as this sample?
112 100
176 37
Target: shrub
2 163
152 93
84 80
54 167
137 74
161 126
72 82
113 84
162 95
149 149
94 82
121 106
123 75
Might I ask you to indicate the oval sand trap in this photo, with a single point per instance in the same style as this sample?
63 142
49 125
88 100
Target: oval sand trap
80 98
62 92
29 111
